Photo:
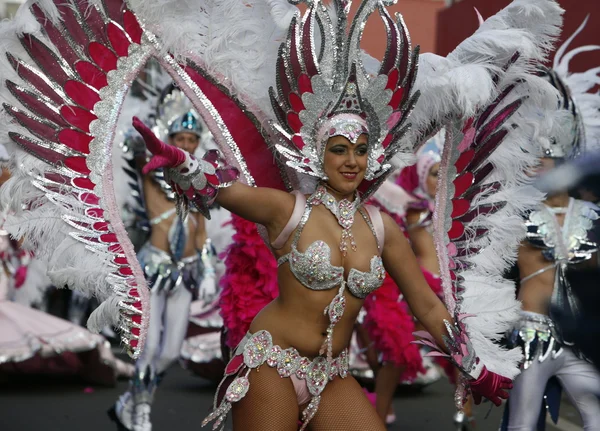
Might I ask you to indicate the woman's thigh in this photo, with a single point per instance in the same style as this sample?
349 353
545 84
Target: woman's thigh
344 407
269 405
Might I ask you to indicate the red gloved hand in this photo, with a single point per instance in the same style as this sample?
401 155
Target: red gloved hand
164 156
490 385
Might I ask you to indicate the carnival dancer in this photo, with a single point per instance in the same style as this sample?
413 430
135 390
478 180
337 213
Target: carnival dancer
559 239
201 352
419 181
331 122
337 146
172 263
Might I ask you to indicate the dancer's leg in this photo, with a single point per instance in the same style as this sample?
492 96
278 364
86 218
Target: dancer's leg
386 382
581 382
141 385
344 407
526 396
270 404
176 319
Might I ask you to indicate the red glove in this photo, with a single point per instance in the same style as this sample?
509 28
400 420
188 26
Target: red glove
195 181
461 353
490 385
164 155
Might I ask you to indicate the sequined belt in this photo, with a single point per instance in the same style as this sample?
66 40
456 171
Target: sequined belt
258 349
537 335
163 273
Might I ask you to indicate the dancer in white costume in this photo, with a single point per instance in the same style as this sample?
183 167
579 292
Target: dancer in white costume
559 239
172 260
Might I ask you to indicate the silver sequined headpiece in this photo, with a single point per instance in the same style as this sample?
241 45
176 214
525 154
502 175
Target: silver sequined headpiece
350 126
188 122
567 140
317 85
175 113
576 129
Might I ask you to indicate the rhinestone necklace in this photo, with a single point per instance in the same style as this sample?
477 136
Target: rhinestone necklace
343 211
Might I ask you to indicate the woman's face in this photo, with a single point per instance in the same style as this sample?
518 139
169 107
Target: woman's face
345 163
432 179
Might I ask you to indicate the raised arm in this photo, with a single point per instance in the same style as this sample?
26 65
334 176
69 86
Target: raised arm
401 264
207 180
269 207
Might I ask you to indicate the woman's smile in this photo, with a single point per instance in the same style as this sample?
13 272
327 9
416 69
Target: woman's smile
349 175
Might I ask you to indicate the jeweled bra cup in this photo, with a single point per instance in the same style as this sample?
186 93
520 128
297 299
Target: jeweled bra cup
313 267
258 349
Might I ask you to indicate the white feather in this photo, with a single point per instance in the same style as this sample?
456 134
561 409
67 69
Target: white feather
580 84
455 86
282 12
463 85
488 296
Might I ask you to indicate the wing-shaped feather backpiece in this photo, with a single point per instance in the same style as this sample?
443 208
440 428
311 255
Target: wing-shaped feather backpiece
482 191
68 66
66 106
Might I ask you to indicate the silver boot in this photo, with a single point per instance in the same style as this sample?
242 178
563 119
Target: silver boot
143 388
462 422
122 412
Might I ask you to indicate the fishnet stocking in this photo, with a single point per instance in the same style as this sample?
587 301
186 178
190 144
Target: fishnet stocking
344 407
269 405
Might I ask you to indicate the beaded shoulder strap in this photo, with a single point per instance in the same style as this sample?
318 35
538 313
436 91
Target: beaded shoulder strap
299 227
293 222
376 225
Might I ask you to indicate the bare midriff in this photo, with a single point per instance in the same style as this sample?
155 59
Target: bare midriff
295 318
536 292
157 204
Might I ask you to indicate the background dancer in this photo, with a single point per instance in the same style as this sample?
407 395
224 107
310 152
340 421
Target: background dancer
558 240
172 263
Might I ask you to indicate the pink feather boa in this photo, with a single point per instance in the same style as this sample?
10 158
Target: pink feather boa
249 282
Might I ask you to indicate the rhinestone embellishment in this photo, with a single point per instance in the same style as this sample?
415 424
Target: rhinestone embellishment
318 376
288 363
257 349
237 389
360 284
343 211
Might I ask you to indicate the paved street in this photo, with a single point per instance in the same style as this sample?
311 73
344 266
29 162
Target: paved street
63 404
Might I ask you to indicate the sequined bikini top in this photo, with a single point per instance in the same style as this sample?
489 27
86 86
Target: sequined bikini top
563 246
572 242
313 267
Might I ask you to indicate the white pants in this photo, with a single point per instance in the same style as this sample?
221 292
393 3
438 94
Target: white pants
169 316
578 378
